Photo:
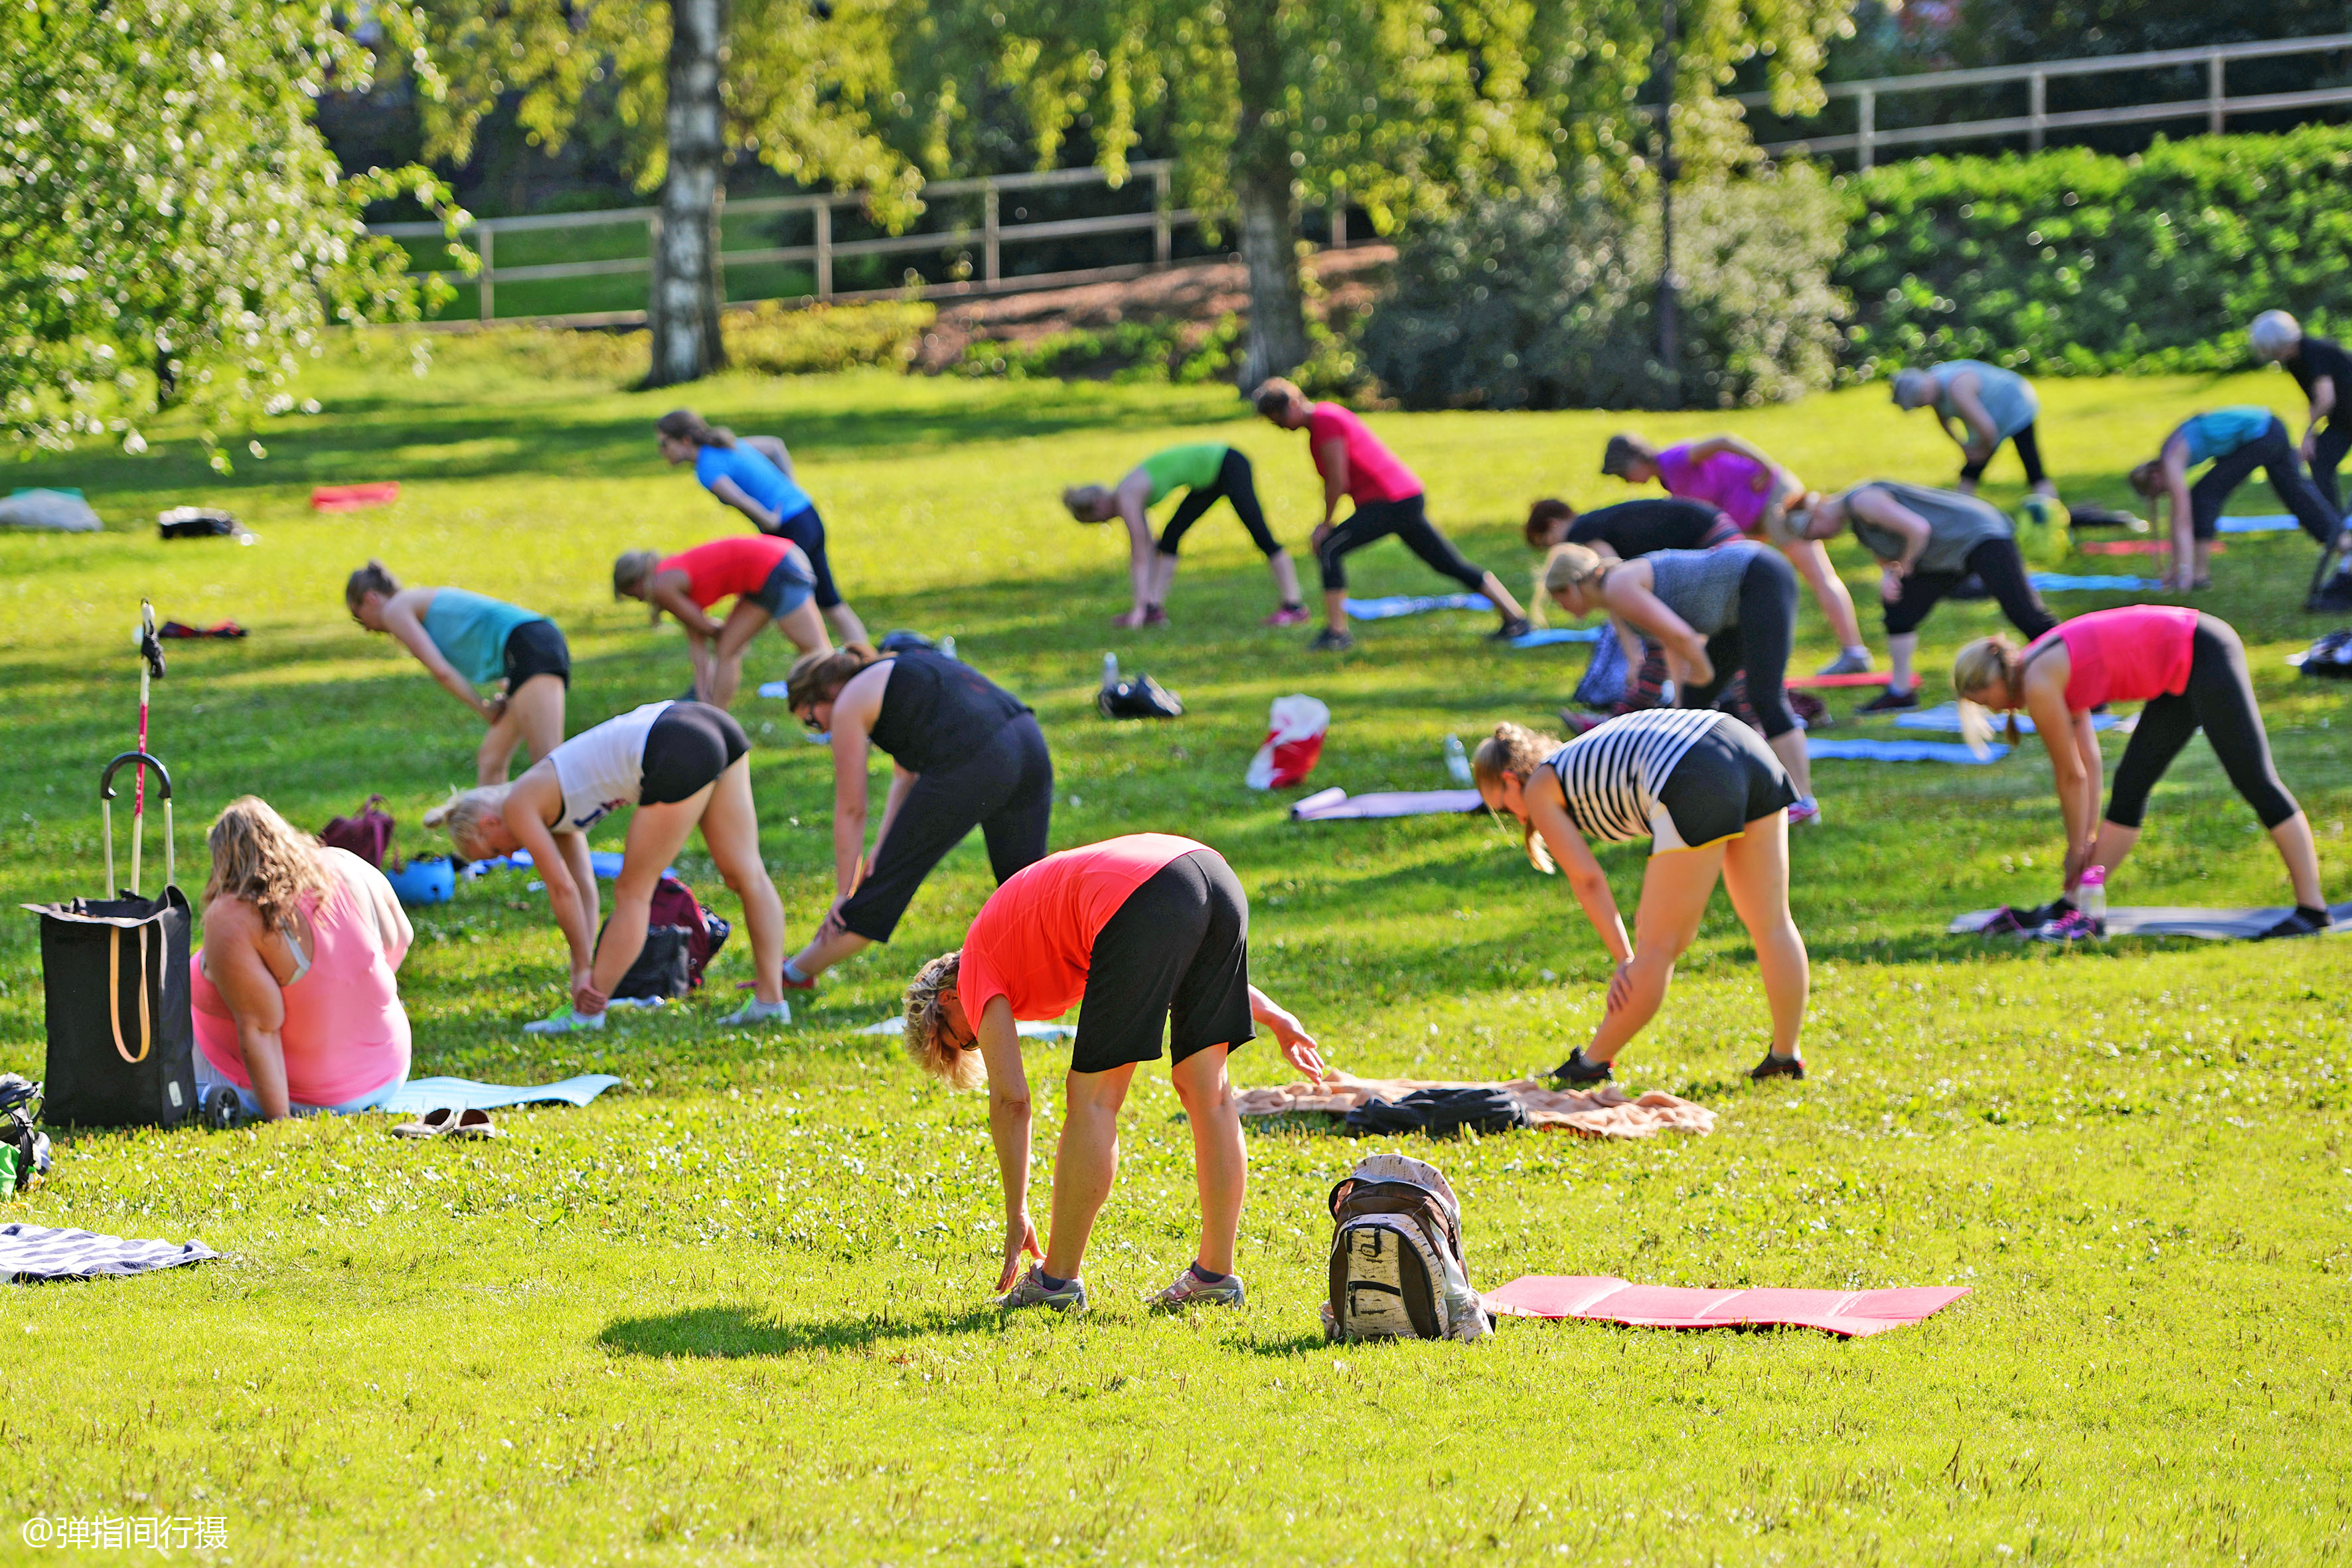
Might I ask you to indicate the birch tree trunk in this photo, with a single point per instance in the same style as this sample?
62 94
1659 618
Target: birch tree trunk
1262 175
683 309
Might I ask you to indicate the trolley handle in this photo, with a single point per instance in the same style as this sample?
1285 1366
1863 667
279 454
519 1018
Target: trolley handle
106 817
106 779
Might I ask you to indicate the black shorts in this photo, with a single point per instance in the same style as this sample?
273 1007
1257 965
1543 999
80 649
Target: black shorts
536 649
1724 782
685 749
805 529
1177 948
788 587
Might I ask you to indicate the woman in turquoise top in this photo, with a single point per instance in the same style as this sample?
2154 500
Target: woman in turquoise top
2236 441
1979 405
1206 472
744 472
468 641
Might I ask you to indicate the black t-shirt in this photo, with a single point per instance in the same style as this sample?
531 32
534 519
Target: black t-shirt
2318 357
937 711
1634 528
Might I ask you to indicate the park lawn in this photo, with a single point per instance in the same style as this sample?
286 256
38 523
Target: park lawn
738 1311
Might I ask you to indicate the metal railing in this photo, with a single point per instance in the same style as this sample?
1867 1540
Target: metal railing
2214 107
990 236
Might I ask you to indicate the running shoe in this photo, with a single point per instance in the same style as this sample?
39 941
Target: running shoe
1288 616
2299 922
1891 701
2072 926
1331 640
751 1013
1515 626
788 983
1033 1291
1580 1068
1847 663
2021 923
565 1021
1154 615
1190 1289
1777 1066
1807 810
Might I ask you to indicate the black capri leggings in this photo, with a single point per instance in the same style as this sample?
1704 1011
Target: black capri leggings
1757 645
688 747
1374 520
806 529
1233 484
2029 452
2219 697
1004 788
2276 455
1998 567
1177 952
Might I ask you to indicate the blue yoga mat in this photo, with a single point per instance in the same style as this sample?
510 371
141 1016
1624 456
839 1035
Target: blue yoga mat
1397 605
2067 583
1903 751
422 1094
2273 522
605 862
1947 721
1545 637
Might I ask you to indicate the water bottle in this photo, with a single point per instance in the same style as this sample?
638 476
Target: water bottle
947 647
1110 672
2091 897
1457 760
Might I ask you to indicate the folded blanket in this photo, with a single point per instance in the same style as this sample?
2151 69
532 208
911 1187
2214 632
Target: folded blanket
1397 605
2064 583
421 1094
1607 1112
2270 522
1334 803
29 1252
1548 637
1947 720
1028 1031
1904 751
1608 1299
2213 925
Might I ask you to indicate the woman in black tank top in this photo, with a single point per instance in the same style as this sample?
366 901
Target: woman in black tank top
966 753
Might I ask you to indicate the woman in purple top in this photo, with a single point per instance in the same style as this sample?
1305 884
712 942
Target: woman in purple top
1742 482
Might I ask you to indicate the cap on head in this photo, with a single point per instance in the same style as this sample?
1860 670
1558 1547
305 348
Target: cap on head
2275 335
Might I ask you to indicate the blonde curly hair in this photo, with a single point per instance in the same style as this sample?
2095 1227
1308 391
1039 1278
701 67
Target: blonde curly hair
264 860
462 814
957 1069
1517 751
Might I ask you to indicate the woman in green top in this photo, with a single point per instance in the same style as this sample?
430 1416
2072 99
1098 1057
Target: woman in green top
1205 472
468 641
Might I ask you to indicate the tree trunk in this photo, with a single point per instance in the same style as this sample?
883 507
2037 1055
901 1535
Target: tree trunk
683 309
1262 178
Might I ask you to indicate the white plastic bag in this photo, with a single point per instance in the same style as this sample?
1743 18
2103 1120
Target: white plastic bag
1295 725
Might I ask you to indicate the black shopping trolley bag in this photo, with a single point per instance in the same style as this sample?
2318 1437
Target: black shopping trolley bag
115 970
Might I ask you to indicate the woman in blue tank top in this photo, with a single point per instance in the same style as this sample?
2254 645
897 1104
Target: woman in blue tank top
468 641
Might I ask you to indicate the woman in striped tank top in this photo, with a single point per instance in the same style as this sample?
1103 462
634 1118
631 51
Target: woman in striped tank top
1713 801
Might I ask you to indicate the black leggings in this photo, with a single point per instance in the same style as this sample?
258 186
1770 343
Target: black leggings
1233 484
1757 645
2326 454
1998 567
688 747
2220 698
805 529
2029 452
1004 788
1374 520
2276 455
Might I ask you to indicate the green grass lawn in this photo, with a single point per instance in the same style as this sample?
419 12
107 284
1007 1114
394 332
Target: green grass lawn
739 1312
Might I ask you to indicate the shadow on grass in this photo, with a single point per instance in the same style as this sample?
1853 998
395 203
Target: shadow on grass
733 1333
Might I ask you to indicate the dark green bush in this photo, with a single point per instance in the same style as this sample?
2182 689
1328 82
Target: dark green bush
2070 262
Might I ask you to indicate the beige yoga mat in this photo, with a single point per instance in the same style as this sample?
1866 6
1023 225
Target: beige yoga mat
1606 1112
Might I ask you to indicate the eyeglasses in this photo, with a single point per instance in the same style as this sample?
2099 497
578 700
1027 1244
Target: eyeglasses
811 722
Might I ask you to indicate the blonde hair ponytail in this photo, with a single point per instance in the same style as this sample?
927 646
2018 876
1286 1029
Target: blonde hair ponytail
461 817
1516 750
1571 565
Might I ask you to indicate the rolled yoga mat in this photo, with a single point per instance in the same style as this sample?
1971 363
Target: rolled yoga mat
1851 1315
1335 805
1397 605
1864 751
2213 925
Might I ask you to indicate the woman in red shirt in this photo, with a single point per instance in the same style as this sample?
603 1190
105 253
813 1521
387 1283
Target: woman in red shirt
1142 930
2190 669
768 577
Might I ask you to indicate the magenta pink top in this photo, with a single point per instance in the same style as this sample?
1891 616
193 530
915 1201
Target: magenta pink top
345 1034
1374 473
1725 481
2127 655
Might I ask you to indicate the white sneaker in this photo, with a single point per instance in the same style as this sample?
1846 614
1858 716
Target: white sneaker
1847 662
565 1022
755 1011
1190 1289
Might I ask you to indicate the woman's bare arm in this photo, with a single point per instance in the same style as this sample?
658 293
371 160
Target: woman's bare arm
401 621
1625 594
732 494
233 935
1548 809
1008 1128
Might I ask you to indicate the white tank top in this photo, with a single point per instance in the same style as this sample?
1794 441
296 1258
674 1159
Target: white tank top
1612 773
603 769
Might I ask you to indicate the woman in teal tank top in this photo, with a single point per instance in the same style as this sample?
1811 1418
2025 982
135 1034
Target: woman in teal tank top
469 641
1206 472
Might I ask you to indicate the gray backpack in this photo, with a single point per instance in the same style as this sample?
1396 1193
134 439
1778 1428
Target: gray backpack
1396 1257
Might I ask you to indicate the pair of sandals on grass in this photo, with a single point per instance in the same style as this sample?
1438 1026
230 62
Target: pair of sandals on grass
448 1122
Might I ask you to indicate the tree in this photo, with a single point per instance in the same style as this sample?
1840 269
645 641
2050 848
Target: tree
694 82
1400 107
172 228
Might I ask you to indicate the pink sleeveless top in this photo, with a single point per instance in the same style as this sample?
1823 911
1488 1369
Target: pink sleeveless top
2127 655
345 1034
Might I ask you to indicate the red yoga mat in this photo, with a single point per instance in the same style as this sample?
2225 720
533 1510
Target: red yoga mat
1604 1299
350 498
1865 677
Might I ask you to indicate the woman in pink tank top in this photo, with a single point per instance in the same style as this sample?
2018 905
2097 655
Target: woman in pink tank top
296 1004
2189 669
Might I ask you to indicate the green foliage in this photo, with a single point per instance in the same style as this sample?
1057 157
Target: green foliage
2069 262
1128 352
1547 300
813 339
172 227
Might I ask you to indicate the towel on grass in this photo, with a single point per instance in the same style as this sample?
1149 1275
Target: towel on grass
1607 1112
2213 925
2135 547
1028 1031
1335 803
1809 682
422 1094
1851 1315
1947 721
1904 751
30 1252
2269 522
1548 637
2068 583
1397 605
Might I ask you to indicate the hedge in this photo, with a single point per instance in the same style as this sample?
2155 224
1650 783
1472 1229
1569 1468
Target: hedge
2072 262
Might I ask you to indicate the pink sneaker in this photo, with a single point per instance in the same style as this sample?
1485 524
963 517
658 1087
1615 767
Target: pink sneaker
1806 810
1290 617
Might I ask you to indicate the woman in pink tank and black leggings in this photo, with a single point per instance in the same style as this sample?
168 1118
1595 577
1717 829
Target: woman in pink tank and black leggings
2190 670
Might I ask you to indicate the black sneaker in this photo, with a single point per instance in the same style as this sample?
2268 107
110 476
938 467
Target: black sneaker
1777 1066
1330 639
1891 701
2299 922
2010 921
1516 627
1580 1070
